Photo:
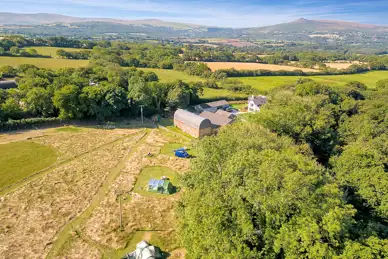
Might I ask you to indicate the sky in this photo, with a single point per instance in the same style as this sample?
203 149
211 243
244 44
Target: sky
226 13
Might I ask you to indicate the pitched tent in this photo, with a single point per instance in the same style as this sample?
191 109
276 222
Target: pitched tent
160 186
144 251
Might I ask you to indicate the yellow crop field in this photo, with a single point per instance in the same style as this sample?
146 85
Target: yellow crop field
253 66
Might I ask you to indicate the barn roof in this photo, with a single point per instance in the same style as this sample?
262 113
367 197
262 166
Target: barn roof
216 119
8 84
192 119
225 113
215 104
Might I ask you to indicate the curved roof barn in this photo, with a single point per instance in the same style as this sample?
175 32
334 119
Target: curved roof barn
192 119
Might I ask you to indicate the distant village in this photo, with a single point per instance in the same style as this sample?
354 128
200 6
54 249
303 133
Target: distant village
208 118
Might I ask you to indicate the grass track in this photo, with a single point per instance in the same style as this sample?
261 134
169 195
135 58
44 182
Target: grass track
19 160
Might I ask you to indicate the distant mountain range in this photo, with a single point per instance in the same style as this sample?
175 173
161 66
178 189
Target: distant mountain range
46 24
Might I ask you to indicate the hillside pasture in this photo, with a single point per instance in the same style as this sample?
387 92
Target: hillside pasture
265 83
51 51
253 66
51 63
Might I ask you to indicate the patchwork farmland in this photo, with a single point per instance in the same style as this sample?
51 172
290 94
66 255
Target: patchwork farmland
70 206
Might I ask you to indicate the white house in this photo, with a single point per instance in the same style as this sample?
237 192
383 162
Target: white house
255 102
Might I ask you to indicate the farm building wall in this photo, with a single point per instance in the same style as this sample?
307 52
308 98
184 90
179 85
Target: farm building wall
193 131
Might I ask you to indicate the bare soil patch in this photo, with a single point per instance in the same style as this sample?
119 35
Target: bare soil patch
253 66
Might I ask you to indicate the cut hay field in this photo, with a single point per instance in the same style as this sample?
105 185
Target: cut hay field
43 62
253 66
71 210
51 51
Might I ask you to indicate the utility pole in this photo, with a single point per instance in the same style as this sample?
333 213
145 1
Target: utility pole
141 111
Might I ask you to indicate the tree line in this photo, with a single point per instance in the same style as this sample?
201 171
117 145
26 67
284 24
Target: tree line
304 178
100 92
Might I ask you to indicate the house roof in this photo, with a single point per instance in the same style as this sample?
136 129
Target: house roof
216 119
8 84
192 119
258 100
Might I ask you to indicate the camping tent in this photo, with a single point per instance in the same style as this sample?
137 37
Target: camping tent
160 186
144 251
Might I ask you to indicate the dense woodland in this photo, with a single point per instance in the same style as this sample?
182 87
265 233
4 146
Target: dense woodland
100 92
305 178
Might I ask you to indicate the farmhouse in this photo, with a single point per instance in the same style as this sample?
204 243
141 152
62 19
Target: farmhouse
212 106
8 84
192 124
255 102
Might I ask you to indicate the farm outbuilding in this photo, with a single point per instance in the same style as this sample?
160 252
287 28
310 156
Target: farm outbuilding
8 84
192 124
160 186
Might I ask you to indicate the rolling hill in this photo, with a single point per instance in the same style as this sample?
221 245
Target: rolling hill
301 30
304 25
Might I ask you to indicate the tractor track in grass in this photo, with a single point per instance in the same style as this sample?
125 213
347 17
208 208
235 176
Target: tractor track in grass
73 226
10 188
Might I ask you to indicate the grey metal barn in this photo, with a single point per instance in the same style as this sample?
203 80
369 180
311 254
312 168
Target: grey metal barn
192 124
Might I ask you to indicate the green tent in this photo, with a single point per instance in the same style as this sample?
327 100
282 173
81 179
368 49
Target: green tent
160 186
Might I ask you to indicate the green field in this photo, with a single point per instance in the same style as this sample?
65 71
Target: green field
167 75
51 51
155 172
268 82
43 62
18 160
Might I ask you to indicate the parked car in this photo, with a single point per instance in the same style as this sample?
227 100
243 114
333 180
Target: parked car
182 154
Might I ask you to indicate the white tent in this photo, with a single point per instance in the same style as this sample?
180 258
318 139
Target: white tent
144 251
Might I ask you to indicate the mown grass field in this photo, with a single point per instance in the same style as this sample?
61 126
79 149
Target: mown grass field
154 172
43 62
51 51
18 160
